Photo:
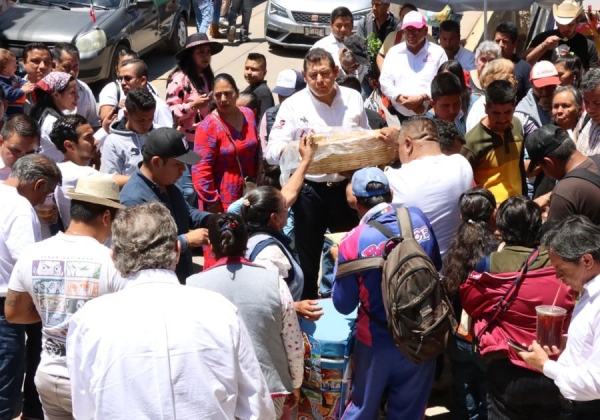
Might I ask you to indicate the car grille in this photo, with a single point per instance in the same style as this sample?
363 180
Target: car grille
302 17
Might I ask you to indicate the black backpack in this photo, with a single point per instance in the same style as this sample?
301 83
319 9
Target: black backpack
419 314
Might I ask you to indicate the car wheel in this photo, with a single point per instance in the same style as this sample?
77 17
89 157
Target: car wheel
179 35
112 74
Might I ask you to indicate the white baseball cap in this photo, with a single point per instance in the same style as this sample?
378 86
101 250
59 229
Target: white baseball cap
543 74
288 82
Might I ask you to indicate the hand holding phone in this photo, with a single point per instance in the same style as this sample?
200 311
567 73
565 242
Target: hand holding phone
515 346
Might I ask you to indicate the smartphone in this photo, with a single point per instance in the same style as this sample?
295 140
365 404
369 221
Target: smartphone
515 346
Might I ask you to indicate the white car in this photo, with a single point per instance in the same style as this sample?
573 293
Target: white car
299 24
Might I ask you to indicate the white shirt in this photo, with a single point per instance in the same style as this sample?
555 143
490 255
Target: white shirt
466 58
86 105
405 73
71 172
158 350
476 113
47 148
4 171
20 228
577 371
62 274
434 185
302 113
332 46
109 95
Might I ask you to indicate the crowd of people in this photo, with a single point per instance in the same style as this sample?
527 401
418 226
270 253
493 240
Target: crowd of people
103 313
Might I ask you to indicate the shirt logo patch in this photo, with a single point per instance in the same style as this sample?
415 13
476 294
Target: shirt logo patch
279 125
304 120
421 234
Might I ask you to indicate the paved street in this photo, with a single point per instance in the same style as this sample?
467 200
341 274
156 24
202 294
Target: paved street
231 59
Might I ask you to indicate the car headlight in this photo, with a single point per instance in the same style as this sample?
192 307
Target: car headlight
360 14
275 9
92 41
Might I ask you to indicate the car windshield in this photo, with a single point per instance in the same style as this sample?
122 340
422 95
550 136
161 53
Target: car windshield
74 3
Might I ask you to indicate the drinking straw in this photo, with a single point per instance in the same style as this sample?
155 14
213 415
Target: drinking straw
555 298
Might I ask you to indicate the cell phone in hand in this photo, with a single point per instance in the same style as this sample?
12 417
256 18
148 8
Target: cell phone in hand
515 346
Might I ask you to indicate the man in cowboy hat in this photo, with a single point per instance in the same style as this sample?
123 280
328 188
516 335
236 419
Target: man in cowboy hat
564 39
54 278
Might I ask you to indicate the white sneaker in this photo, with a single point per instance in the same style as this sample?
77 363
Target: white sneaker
231 34
223 23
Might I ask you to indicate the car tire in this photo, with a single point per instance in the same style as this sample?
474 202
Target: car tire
179 35
112 73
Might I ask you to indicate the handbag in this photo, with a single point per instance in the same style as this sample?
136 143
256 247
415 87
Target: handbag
249 183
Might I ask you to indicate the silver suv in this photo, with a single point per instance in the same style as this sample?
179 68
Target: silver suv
299 24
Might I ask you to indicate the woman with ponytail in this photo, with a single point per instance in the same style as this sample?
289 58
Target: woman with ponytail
473 240
265 304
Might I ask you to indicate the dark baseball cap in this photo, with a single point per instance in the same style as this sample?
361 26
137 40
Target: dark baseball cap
167 142
358 46
542 142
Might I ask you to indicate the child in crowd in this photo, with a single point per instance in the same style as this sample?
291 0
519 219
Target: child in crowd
255 70
451 140
15 88
122 149
473 240
446 100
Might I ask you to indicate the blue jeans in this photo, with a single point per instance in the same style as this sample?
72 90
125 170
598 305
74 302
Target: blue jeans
186 186
381 370
204 14
216 11
327 265
12 366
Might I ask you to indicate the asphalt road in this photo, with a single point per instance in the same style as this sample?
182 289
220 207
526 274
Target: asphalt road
231 59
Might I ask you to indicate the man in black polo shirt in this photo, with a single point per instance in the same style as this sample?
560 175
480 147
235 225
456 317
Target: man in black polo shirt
164 156
565 39
379 21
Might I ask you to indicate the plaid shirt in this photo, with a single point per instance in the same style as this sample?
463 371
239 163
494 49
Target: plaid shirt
587 136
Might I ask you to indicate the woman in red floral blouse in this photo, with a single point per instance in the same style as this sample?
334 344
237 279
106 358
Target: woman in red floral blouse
228 143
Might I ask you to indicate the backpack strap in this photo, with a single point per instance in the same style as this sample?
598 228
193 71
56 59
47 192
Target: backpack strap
405 226
382 229
585 174
360 264
507 299
272 241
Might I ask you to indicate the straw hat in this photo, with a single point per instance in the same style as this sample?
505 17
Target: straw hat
97 189
566 12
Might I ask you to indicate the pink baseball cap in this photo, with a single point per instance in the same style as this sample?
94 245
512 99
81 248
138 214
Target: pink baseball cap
414 19
544 74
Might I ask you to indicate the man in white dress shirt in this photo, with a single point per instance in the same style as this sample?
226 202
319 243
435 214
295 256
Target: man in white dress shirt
32 178
159 350
322 202
574 250
65 57
20 136
409 68
342 25
450 42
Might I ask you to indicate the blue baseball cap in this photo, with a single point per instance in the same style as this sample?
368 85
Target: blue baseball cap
361 179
